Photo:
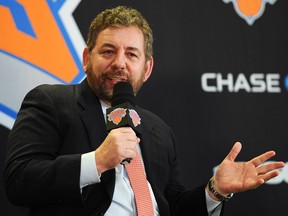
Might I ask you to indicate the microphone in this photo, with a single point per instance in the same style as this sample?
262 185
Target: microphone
122 112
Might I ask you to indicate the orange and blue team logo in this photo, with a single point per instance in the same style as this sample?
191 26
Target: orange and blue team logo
39 43
135 117
250 10
117 115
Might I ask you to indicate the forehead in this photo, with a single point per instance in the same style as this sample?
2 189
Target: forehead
122 36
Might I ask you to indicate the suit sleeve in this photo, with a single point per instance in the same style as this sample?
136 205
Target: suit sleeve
35 171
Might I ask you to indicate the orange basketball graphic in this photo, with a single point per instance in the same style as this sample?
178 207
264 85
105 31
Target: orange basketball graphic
250 10
249 7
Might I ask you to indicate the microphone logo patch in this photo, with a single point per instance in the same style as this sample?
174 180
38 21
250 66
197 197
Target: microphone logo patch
135 117
116 115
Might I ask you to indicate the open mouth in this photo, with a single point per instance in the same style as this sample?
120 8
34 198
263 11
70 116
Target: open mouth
116 79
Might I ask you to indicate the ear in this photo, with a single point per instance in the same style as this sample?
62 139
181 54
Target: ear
85 57
148 68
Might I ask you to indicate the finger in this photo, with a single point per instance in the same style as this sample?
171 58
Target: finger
123 130
269 167
262 158
130 135
127 130
270 175
132 138
130 145
130 153
234 151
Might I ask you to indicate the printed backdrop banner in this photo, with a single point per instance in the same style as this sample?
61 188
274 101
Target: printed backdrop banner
220 76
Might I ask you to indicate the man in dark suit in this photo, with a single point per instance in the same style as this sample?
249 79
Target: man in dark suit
62 161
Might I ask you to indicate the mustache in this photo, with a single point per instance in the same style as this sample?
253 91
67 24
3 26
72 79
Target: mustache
117 75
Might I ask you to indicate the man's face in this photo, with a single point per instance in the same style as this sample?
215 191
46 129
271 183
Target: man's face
118 55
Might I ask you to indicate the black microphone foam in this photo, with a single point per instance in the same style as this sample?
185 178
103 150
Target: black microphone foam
123 92
123 112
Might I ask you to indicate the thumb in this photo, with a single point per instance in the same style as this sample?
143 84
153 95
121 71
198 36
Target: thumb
234 151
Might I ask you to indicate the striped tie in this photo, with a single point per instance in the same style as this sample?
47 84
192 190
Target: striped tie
140 187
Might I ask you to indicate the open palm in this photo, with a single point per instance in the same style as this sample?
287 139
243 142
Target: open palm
232 177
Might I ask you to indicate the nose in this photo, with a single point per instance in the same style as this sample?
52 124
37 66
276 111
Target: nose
119 62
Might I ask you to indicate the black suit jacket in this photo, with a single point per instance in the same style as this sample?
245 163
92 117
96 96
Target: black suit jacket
55 125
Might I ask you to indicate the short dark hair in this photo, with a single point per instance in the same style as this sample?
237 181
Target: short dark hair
121 16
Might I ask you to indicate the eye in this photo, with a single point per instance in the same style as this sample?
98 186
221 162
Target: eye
132 55
108 52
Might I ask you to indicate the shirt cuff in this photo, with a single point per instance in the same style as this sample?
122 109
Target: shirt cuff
88 173
212 204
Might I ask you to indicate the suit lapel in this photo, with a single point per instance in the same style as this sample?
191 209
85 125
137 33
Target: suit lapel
91 115
93 119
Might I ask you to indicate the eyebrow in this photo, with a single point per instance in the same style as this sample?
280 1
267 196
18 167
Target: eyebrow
114 47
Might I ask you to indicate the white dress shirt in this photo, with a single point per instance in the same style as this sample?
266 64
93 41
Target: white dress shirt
123 202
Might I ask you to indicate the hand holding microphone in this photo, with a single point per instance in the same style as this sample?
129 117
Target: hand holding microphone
123 125
120 144
123 111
